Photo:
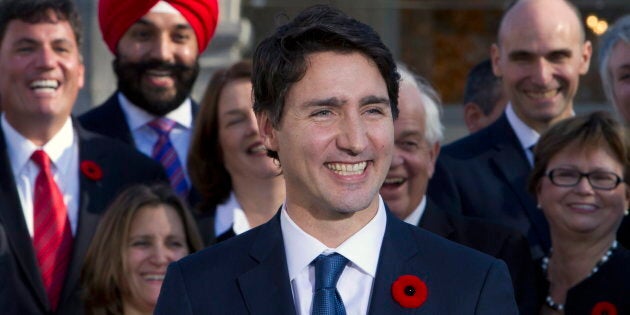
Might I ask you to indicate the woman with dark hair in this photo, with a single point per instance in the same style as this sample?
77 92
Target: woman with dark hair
143 230
580 179
241 186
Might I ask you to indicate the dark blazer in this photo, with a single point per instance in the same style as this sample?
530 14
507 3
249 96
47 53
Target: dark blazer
485 175
248 274
121 167
493 239
610 284
109 120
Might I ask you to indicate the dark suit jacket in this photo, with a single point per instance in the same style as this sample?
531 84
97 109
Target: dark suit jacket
109 120
493 239
485 175
121 167
248 274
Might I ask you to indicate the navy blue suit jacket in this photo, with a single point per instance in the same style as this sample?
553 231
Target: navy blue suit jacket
485 175
248 274
108 119
20 276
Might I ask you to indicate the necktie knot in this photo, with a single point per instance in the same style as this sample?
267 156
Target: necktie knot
328 270
326 298
41 159
162 126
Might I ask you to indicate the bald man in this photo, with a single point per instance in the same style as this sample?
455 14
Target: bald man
156 45
540 55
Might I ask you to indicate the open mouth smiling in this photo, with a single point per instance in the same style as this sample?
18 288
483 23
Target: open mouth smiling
347 169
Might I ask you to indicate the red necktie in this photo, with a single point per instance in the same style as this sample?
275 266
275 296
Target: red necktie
52 239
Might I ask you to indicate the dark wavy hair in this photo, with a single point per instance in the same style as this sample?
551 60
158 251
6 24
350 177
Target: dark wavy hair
280 59
37 11
205 159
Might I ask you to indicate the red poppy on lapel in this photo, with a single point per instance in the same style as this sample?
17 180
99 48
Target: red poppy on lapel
91 170
409 291
604 308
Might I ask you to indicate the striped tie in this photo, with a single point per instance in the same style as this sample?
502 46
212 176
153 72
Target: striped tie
52 238
164 152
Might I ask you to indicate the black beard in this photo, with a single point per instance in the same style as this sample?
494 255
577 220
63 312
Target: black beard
154 101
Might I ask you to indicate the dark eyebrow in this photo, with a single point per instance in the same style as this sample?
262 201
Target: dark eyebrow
236 111
331 101
372 99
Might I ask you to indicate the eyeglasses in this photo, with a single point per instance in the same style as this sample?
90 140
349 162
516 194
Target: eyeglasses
599 179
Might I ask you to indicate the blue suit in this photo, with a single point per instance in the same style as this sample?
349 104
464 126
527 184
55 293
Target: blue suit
485 175
248 275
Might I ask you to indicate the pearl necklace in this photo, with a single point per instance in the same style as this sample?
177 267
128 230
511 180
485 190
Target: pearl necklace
545 263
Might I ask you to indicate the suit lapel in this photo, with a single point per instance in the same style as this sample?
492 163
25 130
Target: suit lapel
266 287
91 193
12 217
397 250
116 121
511 162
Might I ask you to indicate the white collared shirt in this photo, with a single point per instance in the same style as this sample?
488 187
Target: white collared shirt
355 283
414 217
63 151
527 136
144 137
230 215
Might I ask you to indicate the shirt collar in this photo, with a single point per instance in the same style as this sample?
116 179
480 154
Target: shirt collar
20 149
302 248
414 217
138 117
526 135
224 217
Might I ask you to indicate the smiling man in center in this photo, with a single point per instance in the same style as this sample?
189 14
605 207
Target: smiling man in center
326 91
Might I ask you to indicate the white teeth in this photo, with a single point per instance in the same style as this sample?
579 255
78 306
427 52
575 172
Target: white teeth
45 84
257 149
154 277
347 169
542 94
396 180
584 207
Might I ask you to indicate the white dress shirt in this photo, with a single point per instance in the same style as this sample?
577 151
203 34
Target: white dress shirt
230 215
526 135
145 137
414 217
63 151
355 283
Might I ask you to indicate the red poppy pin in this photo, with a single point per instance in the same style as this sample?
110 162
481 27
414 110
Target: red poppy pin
91 170
604 308
409 291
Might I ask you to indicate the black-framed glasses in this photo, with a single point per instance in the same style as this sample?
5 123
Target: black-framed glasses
598 179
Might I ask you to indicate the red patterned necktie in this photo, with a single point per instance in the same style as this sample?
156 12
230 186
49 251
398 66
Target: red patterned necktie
52 238
164 152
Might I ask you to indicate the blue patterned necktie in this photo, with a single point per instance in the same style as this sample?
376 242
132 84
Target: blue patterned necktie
326 299
164 152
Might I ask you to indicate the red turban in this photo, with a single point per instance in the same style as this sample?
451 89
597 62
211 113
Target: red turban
116 16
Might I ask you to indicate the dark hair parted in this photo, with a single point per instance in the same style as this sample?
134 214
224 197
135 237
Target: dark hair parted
103 272
205 159
598 130
39 11
280 59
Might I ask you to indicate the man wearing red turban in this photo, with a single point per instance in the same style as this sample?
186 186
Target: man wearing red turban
156 46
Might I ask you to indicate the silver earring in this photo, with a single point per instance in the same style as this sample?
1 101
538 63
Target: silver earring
538 206
626 212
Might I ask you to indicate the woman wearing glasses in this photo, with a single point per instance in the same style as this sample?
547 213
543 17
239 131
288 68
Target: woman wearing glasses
579 178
